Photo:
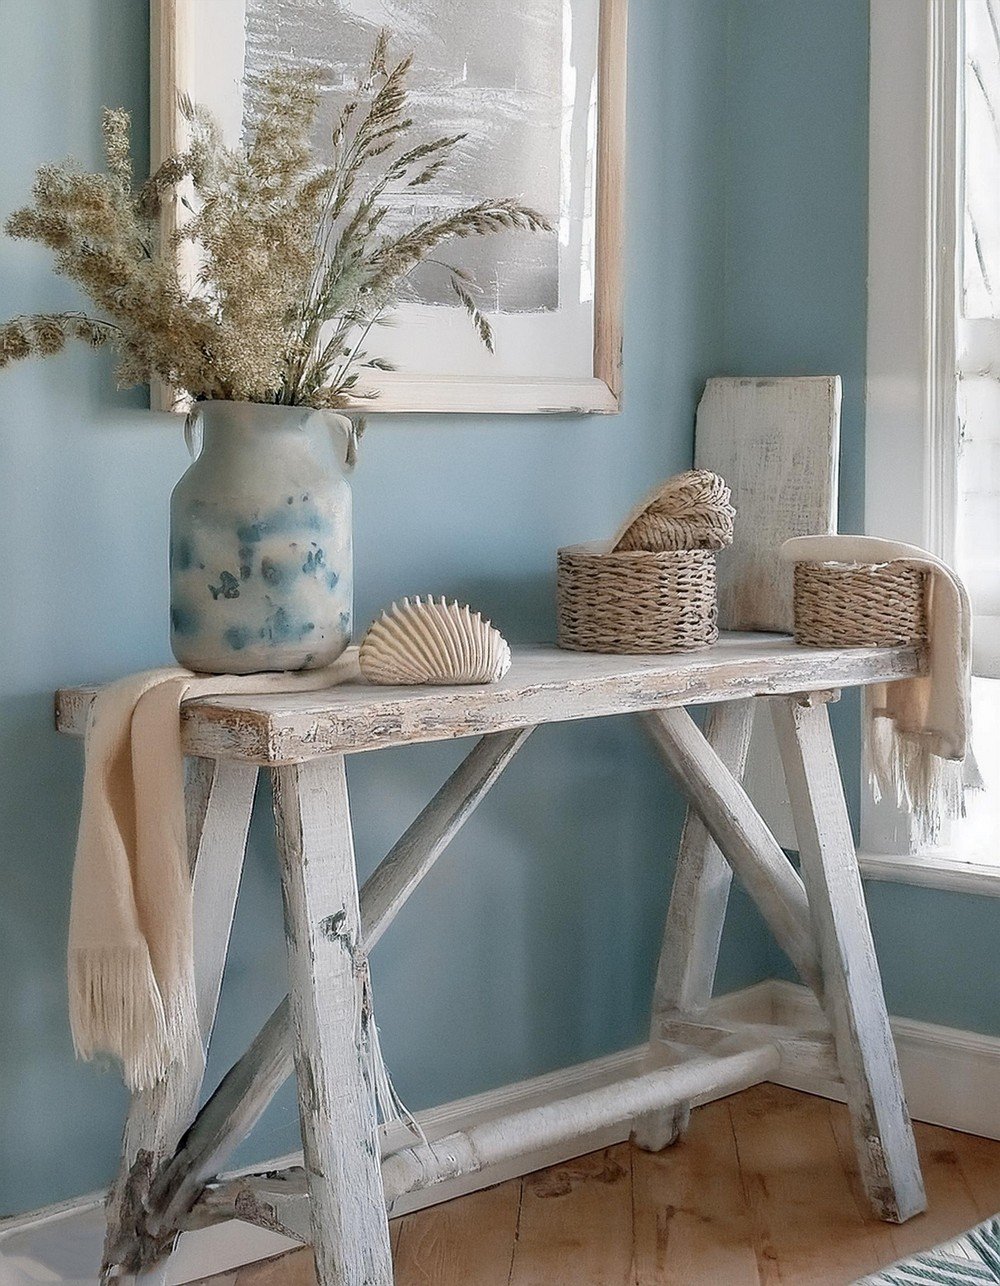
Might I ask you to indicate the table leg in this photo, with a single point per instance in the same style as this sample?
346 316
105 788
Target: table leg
741 834
219 800
689 955
854 1002
244 1092
329 986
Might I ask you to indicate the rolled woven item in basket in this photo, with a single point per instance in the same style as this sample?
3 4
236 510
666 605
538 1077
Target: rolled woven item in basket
918 747
689 511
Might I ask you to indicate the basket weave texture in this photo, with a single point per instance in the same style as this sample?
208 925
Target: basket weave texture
859 604
689 511
636 600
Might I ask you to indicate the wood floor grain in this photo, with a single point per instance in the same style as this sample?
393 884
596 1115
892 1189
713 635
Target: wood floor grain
763 1190
692 1220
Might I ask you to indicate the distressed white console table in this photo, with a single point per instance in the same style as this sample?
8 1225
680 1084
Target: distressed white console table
172 1152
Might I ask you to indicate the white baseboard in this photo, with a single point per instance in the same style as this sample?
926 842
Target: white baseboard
952 1078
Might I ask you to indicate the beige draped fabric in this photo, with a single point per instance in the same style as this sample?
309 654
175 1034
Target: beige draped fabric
130 958
918 738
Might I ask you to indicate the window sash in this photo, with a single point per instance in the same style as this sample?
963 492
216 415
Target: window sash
911 444
977 333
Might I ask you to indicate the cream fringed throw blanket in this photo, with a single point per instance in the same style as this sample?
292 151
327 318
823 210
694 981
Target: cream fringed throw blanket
131 962
919 737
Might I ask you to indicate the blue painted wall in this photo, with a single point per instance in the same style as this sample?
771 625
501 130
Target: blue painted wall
795 286
795 301
533 943
797 204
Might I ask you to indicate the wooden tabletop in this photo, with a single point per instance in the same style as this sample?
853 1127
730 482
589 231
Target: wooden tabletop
543 685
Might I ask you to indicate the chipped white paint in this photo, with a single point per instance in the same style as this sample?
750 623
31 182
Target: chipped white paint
224 1121
277 1201
737 829
251 1083
219 804
269 1199
847 980
222 802
328 971
689 953
776 442
952 1078
543 685
579 1115
803 1053
853 999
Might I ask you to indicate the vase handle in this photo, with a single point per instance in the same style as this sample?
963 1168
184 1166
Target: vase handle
344 433
190 425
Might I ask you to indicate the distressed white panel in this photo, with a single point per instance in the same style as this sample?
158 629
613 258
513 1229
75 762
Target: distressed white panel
776 442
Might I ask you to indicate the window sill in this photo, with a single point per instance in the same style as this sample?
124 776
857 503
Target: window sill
932 870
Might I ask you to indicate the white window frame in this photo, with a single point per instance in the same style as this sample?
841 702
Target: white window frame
911 443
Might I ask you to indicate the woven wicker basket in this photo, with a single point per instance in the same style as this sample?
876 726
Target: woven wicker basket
859 604
636 600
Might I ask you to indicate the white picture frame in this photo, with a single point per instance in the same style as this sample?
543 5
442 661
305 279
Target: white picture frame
179 37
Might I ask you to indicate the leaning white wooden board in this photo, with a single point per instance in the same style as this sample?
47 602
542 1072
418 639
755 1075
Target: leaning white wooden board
543 685
776 442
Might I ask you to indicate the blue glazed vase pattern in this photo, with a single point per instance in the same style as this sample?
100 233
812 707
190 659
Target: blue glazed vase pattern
261 571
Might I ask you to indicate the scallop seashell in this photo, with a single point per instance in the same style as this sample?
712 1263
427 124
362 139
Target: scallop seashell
689 511
432 641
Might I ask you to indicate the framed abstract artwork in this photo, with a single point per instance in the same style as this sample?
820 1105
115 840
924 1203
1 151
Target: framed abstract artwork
537 87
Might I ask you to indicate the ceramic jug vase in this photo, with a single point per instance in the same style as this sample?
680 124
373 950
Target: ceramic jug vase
261 572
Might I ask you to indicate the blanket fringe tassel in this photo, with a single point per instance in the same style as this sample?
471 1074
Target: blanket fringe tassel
904 767
115 1006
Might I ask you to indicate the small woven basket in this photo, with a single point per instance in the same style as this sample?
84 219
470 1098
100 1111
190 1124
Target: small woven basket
860 604
636 600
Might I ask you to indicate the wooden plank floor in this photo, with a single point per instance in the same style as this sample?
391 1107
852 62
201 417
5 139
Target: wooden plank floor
764 1189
